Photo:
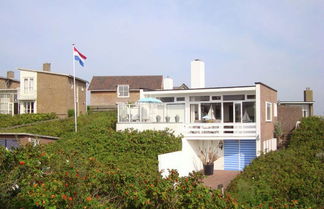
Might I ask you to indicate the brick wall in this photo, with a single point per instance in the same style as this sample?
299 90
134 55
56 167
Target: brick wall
288 115
12 84
23 140
267 127
55 94
99 98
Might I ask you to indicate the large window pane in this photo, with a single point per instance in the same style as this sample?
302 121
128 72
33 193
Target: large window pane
176 112
198 98
238 112
234 97
194 115
228 112
248 112
166 99
211 111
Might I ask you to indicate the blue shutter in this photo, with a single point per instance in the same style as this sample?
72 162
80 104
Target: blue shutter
238 153
247 152
231 154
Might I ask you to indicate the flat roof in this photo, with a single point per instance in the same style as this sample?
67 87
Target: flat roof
295 102
61 74
28 134
202 90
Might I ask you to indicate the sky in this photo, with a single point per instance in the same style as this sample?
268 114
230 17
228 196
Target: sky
278 42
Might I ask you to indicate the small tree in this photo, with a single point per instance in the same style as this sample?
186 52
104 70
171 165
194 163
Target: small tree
209 151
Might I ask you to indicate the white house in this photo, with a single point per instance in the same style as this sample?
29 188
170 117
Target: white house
240 118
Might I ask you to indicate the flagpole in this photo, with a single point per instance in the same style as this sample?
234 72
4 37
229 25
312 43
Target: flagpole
74 93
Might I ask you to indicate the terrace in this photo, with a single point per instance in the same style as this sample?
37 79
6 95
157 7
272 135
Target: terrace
206 120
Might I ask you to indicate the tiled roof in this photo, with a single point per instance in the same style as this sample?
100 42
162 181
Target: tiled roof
11 79
110 83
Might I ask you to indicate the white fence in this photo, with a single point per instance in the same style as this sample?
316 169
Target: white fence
270 145
220 129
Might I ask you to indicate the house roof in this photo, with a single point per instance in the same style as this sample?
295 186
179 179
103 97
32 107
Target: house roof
295 102
182 86
10 79
110 83
28 134
46 72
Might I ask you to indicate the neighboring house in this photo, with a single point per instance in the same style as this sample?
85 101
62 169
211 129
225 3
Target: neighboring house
107 91
182 86
8 94
14 140
290 112
46 92
240 117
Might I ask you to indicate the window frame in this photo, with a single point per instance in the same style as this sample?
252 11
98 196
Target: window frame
119 92
29 85
266 112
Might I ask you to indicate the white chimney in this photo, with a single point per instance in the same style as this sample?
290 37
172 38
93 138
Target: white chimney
197 74
167 83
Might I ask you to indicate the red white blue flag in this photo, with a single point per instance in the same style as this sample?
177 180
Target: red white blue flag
78 56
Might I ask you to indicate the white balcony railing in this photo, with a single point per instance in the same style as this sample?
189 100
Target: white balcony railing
220 129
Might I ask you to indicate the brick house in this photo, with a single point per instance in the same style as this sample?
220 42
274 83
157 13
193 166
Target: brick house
290 112
239 119
46 92
107 91
8 94
14 140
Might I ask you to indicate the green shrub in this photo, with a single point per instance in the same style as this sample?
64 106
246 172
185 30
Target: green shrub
8 120
293 175
99 168
71 113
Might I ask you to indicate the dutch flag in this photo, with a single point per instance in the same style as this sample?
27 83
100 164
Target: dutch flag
78 56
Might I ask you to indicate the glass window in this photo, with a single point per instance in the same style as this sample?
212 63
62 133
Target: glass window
166 99
248 112
216 97
194 115
211 111
29 107
31 84
198 98
176 112
268 111
228 112
26 85
238 112
234 97
123 90
180 99
250 96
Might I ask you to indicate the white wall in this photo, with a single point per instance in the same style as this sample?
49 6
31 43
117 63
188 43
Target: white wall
167 83
176 127
197 74
28 74
186 160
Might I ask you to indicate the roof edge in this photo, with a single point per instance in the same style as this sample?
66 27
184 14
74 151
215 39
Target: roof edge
60 74
266 86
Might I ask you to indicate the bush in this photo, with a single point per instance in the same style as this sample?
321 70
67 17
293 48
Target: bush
8 120
99 168
71 113
290 176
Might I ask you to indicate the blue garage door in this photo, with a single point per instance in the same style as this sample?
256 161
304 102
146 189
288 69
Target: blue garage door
238 153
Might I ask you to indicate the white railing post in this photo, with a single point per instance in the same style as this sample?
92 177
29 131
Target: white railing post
140 112
129 113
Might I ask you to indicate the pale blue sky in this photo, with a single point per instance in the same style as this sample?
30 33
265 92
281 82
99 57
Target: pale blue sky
278 42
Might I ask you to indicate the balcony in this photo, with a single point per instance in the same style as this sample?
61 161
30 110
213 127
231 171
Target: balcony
165 116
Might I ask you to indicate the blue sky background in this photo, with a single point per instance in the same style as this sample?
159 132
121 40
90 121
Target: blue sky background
278 42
